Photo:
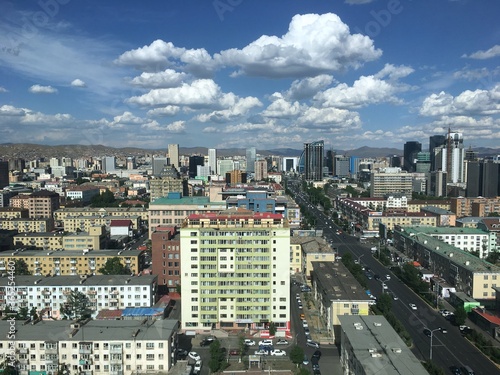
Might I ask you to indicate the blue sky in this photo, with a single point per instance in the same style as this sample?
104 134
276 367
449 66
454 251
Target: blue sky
241 73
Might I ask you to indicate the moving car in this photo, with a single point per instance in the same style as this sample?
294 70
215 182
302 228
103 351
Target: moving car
194 355
313 344
281 342
413 306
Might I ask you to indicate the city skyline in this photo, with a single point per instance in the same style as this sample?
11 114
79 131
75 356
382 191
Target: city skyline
239 74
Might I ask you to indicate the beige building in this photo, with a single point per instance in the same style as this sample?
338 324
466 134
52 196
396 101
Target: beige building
85 223
13 213
43 263
305 250
479 207
337 293
160 187
389 182
391 219
173 211
40 204
23 225
111 347
119 212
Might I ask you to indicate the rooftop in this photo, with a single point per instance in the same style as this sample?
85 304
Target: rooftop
377 347
69 253
337 282
312 244
94 330
434 231
456 256
96 280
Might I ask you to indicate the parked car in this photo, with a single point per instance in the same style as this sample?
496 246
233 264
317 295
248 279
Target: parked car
181 353
194 355
317 354
302 316
197 366
265 342
304 324
281 342
207 341
234 352
249 342
300 306
305 361
278 353
261 352
313 344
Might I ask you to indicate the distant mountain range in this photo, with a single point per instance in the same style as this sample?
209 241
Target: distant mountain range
35 151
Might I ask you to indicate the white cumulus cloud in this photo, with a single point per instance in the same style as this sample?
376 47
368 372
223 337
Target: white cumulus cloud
282 108
39 89
308 87
165 79
3 89
78 83
314 44
176 127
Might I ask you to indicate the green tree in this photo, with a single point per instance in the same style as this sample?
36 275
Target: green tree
76 306
384 303
304 371
8 367
216 362
21 268
460 315
297 354
103 200
33 313
23 313
272 329
114 266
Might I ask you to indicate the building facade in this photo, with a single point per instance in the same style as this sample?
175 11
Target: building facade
235 271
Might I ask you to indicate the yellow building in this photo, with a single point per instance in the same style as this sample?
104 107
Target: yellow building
305 250
42 263
417 205
337 293
391 219
23 225
13 213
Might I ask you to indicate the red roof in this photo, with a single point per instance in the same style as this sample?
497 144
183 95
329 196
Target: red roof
235 215
109 314
121 223
490 318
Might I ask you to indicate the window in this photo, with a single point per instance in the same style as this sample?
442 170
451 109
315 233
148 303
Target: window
150 357
150 345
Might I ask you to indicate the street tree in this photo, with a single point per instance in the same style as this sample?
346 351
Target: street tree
21 268
297 355
460 315
114 266
76 306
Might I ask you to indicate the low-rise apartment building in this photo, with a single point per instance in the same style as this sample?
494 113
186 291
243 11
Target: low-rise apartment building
41 263
466 239
24 225
338 293
120 212
235 271
84 223
460 269
83 193
47 295
40 204
173 209
370 346
475 206
110 347
14 213
312 249
165 258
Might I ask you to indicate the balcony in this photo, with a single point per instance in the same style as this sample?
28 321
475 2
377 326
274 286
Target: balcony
115 361
114 292
91 292
46 292
116 349
85 350
23 351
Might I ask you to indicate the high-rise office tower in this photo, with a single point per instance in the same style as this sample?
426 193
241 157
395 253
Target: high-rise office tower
158 164
423 164
312 160
395 161
173 154
212 160
435 141
4 174
251 155
451 156
130 162
330 161
108 163
483 179
342 166
194 161
411 149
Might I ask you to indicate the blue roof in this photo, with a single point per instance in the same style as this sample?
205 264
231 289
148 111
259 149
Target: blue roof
142 311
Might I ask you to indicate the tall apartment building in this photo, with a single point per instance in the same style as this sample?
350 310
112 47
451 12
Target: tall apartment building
450 158
483 179
111 347
236 271
390 181
224 166
312 160
173 154
41 204
109 164
161 187
260 170
435 141
165 258
236 176
341 166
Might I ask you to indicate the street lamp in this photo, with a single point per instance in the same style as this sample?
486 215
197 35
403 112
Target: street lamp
359 257
432 334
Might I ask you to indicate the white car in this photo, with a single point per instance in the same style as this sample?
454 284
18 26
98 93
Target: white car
413 306
281 342
197 366
265 342
260 352
194 355
387 277
385 286
249 342
278 352
304 324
